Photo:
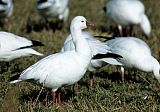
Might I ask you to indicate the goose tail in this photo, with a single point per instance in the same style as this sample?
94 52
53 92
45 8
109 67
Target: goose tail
15 79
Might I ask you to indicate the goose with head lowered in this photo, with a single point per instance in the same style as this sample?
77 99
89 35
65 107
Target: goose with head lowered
6 8
63 68
136 54
53 8
128 12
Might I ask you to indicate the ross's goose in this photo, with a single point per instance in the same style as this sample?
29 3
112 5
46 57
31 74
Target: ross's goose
6 8
13 46
97 48
136 54
63 68
128 12
53 8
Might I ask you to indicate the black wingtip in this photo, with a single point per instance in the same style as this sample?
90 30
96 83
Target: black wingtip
41 1
34 43
104 37
15 77
108 55
37 43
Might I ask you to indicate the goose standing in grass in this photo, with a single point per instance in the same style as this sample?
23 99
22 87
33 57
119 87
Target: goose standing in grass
97 48
128 12
6 8
136 54
53 8
13 46
63 68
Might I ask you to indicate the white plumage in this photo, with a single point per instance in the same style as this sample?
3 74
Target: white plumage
97 47
13 46
136 54
63 68
128 12
53 8
6 8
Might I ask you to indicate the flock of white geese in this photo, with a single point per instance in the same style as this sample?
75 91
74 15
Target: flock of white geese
81 51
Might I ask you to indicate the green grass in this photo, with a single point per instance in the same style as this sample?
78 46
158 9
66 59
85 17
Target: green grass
139 93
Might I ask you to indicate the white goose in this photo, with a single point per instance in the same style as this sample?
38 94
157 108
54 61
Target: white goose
53 8
63 68
6 8
13 46
128 12
136 54
97 47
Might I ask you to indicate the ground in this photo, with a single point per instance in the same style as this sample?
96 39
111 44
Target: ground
140 92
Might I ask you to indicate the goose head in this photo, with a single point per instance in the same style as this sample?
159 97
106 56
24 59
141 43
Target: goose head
3 2
80 22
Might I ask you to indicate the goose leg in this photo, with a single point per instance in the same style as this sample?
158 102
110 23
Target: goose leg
91 80
53 98
134 72
58 95
59 98
7 65
131 33
47 24
122 73
120 30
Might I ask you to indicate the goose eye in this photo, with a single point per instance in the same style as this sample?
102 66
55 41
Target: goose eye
82 21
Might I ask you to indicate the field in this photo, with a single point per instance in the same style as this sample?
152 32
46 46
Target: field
139 93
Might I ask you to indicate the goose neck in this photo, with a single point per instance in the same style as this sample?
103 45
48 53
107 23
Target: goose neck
81 45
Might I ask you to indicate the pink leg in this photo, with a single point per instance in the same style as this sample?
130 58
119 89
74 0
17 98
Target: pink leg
120 30
59 98
54 95
122 73
91 80
53 98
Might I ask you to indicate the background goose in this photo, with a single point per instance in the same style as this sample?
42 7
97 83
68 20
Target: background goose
128 12
136 54
13 46
6 8
97 47
53 8
63 68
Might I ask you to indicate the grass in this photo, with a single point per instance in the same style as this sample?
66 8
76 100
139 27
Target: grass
139 93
